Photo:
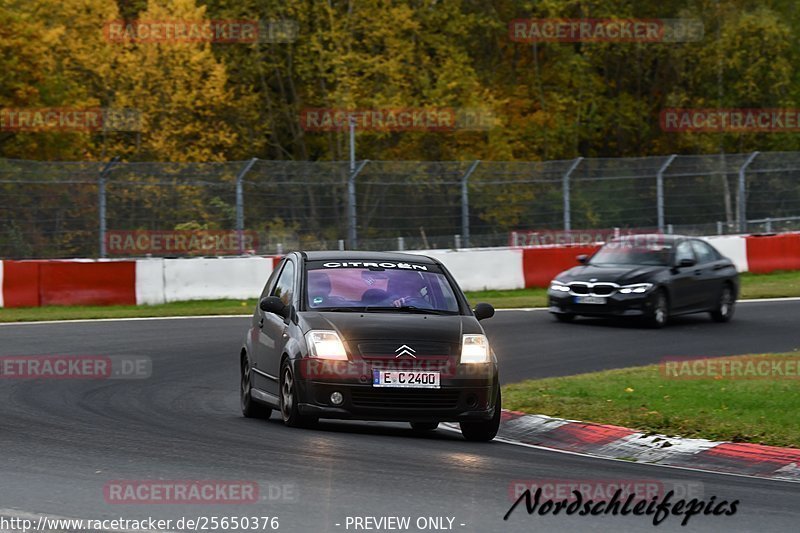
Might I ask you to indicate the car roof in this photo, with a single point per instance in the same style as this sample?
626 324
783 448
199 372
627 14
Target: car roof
336 255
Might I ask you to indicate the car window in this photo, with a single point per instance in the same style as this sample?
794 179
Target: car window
704 252
284 289
633 252
684 251
369 288
271 280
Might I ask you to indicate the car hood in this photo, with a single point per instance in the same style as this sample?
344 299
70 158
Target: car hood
390 326
621 274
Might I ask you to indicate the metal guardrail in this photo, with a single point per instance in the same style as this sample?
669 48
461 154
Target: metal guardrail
64 209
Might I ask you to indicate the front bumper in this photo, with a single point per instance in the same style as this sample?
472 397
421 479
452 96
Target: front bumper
616 305
468 394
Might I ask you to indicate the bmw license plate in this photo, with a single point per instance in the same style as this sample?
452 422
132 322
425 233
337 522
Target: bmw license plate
596 300
405 379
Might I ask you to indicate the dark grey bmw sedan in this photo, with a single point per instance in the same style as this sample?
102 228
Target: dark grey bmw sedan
651 277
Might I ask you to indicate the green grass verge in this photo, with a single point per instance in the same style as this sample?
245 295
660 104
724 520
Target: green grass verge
745 410
203 307
776 285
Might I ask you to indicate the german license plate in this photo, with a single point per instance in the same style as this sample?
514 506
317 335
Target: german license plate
596 300
405 379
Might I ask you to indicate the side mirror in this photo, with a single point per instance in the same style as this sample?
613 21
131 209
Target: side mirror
583 259
686 262
483 311
273 304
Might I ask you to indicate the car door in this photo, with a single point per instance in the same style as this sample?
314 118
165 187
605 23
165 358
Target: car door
683 279
708 280
272 336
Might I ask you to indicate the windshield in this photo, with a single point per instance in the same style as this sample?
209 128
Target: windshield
630 253
377 289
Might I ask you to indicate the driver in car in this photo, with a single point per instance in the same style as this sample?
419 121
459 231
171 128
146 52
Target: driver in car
406 290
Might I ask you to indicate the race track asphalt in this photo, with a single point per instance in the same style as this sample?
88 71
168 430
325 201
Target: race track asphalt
63 441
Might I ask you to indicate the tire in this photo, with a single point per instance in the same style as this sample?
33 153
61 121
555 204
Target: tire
660 314
564 317
289 401
726 305
483 430
250 407
424 426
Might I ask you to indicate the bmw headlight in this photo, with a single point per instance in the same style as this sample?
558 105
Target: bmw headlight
638 288
475 349
558 286
325 345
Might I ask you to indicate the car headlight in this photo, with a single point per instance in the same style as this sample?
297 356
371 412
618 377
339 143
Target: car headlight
475 349
558 286
325 345
638 288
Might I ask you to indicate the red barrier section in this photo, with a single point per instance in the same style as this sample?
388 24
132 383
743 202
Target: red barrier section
88 283
540 265
20 284
775 252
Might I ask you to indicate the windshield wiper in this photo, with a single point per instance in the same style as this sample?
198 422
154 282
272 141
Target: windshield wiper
409 309
341 309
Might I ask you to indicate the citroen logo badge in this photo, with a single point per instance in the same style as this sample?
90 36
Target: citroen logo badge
405 350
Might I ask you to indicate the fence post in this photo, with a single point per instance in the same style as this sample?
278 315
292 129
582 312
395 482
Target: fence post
240 201
352 217
741 197
660 191
101 203
465 202
566 193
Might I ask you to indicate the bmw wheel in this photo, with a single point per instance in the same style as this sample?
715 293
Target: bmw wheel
660 312
725 306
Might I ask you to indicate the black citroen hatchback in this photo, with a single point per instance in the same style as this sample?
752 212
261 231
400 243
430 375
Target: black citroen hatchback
369 336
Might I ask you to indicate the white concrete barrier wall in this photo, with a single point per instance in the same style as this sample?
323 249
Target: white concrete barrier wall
174 280
485 269
210 279
733 247
150 281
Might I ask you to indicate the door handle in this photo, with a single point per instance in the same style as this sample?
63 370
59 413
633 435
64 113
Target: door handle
698 272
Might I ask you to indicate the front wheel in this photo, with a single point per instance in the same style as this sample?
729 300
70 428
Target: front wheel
564 317
289 400
660 312
725 306
483 430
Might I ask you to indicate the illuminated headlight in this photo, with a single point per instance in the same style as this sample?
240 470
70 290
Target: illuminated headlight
639 288
557 286
325 345
475 349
